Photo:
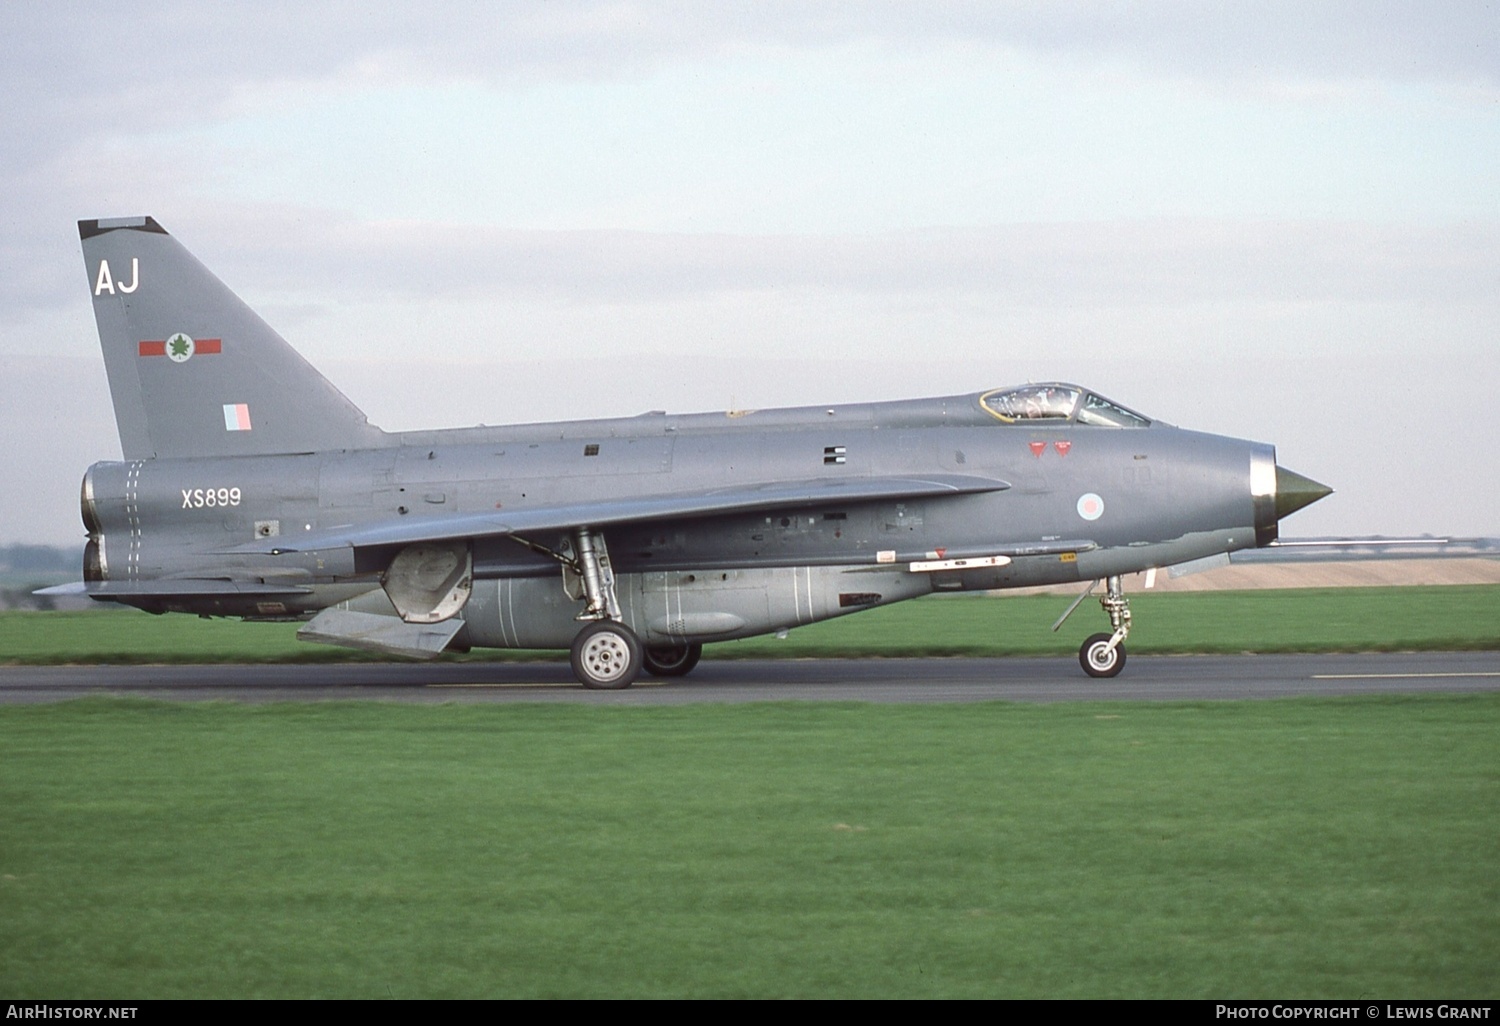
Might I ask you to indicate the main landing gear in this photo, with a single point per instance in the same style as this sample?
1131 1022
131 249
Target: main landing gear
607 655
671 660
1103 655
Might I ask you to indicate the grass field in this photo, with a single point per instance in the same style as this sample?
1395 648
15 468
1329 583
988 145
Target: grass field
1301 848
1299 620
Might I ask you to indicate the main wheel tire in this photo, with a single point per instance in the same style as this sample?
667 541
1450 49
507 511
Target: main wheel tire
1098 659
671 660
606 656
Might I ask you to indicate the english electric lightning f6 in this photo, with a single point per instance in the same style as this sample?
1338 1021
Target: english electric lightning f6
251 487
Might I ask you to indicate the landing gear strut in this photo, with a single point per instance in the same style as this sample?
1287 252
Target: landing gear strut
606 654
1103 655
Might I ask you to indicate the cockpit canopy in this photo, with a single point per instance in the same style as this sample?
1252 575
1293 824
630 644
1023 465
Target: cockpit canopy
1057 402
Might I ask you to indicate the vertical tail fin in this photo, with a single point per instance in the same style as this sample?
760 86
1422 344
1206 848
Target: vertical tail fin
194 371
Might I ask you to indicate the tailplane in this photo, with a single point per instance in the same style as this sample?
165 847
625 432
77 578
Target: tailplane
194 371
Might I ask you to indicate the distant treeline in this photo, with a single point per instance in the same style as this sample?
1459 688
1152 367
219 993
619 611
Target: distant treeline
40 558
24 568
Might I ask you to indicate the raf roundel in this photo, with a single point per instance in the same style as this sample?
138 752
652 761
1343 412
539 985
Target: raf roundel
1090 506
180 347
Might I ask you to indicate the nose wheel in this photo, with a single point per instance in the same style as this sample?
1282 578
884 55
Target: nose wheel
1101 659
1103 655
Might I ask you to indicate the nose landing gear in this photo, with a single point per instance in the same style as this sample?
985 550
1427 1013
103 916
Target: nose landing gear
1103 655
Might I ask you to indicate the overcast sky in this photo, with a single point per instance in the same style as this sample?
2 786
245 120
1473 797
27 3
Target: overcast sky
1275 220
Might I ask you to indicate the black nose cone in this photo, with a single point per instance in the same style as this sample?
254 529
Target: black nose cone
1293 491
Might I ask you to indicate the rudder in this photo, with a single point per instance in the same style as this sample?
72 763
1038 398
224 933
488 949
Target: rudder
192 370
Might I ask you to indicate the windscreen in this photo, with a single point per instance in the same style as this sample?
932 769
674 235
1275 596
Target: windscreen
1059 403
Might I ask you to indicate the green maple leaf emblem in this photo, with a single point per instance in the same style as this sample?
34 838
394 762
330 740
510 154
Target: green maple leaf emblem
179 346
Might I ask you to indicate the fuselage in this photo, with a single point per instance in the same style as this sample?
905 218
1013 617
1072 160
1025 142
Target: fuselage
1084 501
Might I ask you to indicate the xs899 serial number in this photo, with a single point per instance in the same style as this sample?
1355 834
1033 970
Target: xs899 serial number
197 498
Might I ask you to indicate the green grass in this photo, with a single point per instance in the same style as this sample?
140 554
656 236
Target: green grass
128 636
1292 620
1301 620
1302 848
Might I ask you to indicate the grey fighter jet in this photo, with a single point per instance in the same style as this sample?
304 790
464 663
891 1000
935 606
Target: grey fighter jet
251 487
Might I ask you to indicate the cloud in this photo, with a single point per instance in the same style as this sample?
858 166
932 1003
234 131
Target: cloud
1393 40
1063 264
1354 317
143 66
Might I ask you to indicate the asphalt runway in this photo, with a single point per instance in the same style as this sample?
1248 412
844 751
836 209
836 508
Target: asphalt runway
1146 678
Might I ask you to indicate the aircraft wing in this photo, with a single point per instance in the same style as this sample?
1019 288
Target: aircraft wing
607 512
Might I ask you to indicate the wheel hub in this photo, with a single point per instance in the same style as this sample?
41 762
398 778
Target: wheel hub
606 656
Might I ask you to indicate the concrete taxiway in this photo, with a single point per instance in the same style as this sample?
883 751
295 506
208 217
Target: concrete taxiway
1146 678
